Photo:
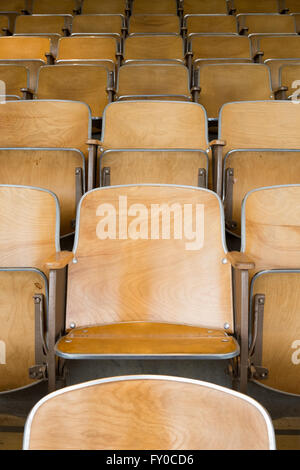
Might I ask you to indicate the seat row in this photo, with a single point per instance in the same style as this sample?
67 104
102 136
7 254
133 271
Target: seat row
158 282
64 25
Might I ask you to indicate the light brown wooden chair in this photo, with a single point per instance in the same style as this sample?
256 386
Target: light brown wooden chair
289 76
155 6
89 50
154 48
77 82
29 233
153 81
275 51
109 7
118 413
271 236
176 302
258 144
210 24
218 48
223 83
154 24
292 6
266 23
31 52
13 5
256 6
185 167
156 125
58 7
46 124
92 25
197 7
15 78
61 171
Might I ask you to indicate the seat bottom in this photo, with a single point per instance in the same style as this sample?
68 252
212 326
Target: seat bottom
149 340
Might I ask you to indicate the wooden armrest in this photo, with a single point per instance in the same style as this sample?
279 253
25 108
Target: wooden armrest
217 142
240 260
59 260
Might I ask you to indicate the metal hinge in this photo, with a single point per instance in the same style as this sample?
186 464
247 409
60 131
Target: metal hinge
38 372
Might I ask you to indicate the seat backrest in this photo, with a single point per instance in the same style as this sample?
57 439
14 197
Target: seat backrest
267 23
224 83
269 124
98 24
217 46
144 80
204 7
271 228
4 23
155 6
256 6
45 7
24 47
164 23
289 77
292 5
12 5
103 7
154 124
45 123
279 47
211 24
85 83
154 47
14 77
179 265
85 48
30 226
42 24
117 413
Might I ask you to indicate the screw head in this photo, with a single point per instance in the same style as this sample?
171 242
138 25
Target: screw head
72 325
226 326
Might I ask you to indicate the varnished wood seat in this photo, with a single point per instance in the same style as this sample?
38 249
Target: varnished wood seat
271 234
223 83
153 81
92 25
4 25
58 7
29 232
155 6
116 413
210 24
258 144
105 7
15 78
154 23
288 80
197 7
89 50
12 5
255 6
172 284
154 48
292 6
266 23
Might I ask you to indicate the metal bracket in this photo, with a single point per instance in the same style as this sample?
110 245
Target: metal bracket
229 182
255 353
78 185
38 371
106 176
202 178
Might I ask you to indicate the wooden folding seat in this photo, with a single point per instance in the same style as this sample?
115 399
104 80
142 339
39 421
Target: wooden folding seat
156 125
136 403
289 81
4 25
255 6
275 51
93 25
210 24
31 52
46 124
223 83
292 6
218 48
105 7
15 78
13 5
271 236
153 23
185 167
58 7
52 26
203 7
153 81
257 145
176 302
266 23
155 7
89 50
154 48
29 234
86 83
